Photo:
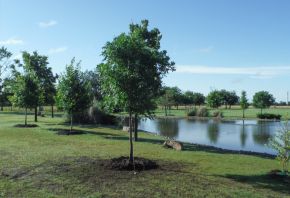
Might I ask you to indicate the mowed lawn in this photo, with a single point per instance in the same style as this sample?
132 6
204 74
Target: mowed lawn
234 112
36 162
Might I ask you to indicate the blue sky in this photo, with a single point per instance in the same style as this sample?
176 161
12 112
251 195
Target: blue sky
235 45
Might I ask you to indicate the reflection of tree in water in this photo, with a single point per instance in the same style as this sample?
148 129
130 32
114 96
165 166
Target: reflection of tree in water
261 133
213 132
168 127
243 135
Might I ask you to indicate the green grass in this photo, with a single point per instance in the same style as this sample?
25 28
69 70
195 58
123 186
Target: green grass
36 162
234 112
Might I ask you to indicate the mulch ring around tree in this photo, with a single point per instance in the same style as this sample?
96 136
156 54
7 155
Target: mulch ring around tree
123 164
69 132
279 175
26 126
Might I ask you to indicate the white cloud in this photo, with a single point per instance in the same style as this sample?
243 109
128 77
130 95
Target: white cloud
11 41
47 24
57 50
206 49
253 72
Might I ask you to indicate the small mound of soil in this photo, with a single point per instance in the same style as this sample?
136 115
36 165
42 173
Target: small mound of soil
26 126
68 132
123 163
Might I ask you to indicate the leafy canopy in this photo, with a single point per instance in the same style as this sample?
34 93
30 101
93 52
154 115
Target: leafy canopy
73 89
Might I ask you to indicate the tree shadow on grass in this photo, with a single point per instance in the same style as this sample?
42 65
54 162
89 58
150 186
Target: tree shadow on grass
263 181
212 149
63 131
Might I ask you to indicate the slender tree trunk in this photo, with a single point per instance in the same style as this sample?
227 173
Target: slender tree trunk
11 108
135 127
25 122
71 122
131 159
35 114
165 108
261 110
52 115
1 107
243 113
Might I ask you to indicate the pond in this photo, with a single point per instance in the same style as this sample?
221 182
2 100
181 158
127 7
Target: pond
247 135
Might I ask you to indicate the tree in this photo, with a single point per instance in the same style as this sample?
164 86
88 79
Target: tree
214 99
26 90
281 143
74 90
198 99
232 98
39 65
244 102
4 59
263 99
133 71
166 99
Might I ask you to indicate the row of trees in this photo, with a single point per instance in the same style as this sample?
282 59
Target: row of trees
130 78
173 96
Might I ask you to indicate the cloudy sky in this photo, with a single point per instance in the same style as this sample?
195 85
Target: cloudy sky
235 45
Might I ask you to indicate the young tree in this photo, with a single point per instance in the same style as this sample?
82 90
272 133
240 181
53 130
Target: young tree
244 102
133 70
281 143
263 99
166 99
214 99
39 65
74 90
26 91
4 62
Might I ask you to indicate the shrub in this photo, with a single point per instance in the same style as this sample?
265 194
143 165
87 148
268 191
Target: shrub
93 115
268 116
217 114
202 112
192 112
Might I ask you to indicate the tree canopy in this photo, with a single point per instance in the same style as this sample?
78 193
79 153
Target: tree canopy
263 99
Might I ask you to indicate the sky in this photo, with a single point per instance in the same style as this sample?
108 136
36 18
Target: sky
215 44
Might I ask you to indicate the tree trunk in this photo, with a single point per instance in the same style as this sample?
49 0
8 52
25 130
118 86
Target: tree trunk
135 127
71 122
1 107
11 108
25 122
243 113
131 159
35 114
165 109
261 110
52 115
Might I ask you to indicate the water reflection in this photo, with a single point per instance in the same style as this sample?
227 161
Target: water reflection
262 133
249 135
168 128
213 132
243 135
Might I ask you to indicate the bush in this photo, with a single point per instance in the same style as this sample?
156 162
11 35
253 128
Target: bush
217 114
269 116
192 112
202 112
93 115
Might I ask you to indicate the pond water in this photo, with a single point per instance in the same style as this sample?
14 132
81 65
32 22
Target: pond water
248 135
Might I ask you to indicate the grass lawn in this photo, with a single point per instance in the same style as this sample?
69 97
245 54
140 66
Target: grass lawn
234 112
36 162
